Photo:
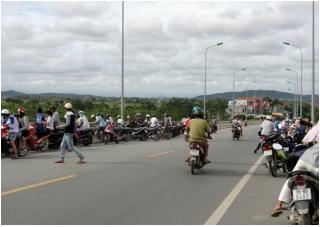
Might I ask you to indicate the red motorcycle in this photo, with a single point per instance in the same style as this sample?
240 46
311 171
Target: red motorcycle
6 147
111 135
38 140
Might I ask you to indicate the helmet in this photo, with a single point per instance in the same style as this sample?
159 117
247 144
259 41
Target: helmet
80 112
92 116
107 115
5 111
128 116
196 108
269 117
139 114
21 110
53 107
198 114
68 106
98 114
147 115
118 116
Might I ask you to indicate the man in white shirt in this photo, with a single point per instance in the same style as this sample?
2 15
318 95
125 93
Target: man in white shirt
266 128
85 122
154 121
120 121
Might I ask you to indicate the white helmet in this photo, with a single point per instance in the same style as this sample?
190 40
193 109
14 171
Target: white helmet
147 115
269 117
5 111
68 106
80 112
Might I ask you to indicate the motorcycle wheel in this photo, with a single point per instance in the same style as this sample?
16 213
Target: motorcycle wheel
272 167
193 167
86 141
305 219
25 151
44 145
106 140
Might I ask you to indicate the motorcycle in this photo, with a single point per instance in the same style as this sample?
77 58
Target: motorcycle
125 132
55 139
38 140
154 133
6 146
111 136
213 128
139 133
196 160
85 136
304 187
235 133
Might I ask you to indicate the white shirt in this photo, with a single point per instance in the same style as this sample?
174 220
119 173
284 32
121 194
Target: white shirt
13 127
85 122
120 121
267 127
170 123
154 122
50 121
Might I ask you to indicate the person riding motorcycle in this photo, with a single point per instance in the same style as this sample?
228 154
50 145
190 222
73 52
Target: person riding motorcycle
197 129
25 130
265 129
82 118
237 123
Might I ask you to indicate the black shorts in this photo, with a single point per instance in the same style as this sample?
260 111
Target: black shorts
25 133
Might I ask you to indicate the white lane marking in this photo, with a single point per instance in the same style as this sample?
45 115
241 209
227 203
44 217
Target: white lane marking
219 212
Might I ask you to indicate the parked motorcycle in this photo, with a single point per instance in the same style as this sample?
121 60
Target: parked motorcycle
38 140
111 136
85 136
235 133
139 133
55 139
196 160
6 146
125 132
154 133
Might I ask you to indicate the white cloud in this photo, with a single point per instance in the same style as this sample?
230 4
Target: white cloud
76 46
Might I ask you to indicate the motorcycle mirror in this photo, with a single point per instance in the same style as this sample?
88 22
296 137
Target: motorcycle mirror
277 146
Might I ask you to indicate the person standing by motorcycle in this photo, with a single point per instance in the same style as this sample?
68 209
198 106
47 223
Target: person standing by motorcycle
85 123
237 123
197 129
130 121
48 123
166 124
55 117
69 131
139 119
101 125
25 130
13 133
108 117
265 129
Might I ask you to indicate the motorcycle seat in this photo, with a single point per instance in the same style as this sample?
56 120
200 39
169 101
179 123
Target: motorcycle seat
126 129
117 129
302 172
85 131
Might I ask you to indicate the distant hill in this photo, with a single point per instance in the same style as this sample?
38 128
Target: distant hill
225 95
263 93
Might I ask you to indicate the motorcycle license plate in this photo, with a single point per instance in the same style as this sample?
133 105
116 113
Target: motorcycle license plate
194 152
267 152
301 194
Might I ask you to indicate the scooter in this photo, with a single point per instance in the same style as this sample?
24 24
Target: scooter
111 136
6 146
38 140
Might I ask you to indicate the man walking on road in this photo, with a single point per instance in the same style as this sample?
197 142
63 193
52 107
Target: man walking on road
69 129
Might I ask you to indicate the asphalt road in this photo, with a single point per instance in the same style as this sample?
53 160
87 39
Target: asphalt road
142 183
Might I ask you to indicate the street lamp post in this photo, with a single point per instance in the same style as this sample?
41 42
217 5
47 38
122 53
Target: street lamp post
296 98
295 90
286 43
233 92
205 78
247 99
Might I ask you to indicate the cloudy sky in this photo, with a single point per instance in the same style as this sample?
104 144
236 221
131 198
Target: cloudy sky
76 47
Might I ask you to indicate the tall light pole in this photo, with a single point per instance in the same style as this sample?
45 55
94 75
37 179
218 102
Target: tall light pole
247 99
122 64
296 98
286 43
233 92
295 89
205 78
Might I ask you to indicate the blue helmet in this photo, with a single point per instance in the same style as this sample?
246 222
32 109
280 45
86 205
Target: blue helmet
196 108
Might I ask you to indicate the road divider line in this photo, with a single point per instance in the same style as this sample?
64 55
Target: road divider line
36 185
167 152
220 211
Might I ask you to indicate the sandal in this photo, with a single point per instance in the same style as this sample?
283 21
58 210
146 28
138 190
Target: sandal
81 161
276 212
59 161
14 157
